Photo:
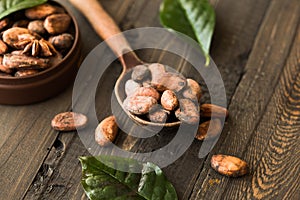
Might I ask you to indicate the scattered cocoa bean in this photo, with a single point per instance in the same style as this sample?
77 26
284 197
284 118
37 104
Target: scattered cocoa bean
42 11
26 72
3 47
106 131
139 105
192 91
131 86
69 121
4 68
63 41
37 26
169 100
24 62
148 92
140 73
211 110
57 23
215 129
229 165
188 112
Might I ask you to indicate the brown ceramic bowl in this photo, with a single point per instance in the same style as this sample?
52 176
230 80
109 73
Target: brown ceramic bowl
45 84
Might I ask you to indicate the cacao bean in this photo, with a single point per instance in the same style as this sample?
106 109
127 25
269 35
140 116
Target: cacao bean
131 86
42 11
139 105
215 129
229 165
37 26
192 91
27 72
188 112
169 100
140 73
69 121
57 23
106 131
211 110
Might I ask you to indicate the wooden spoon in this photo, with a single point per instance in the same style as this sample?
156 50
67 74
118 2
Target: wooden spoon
105 27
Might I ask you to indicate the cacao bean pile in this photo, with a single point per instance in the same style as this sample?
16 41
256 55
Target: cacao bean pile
159 94
33 40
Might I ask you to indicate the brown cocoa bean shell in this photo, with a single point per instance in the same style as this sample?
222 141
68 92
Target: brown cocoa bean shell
4 23
169 100
37 26
57 23
211 110
3 47
215 130
131 87
69 121
63 41
139 105
169 81
148 92
106 131
193 90
140 73
27 72
24 62
42 11
158 115
229 165
188 112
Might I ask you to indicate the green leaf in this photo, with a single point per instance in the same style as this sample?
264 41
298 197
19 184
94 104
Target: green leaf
9 6
195 18
101 182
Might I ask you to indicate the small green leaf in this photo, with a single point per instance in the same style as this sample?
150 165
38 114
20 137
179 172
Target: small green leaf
9 6
101 182
195 18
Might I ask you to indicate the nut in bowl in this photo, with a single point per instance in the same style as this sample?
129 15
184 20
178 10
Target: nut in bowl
39 53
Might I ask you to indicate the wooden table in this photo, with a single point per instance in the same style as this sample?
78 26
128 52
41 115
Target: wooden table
256 47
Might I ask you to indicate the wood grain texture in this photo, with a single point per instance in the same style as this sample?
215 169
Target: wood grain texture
248 107
234 44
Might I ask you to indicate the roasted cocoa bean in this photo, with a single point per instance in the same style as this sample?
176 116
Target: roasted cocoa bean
169 100
24 62
192 91
37 26
148 92
229 165
27 72
69 121
57 23
215 129
12 35
140 73
139 105
158 115
106 131
63 41
4 23
169 81
42 11
188 112
3 47
211 110
131 87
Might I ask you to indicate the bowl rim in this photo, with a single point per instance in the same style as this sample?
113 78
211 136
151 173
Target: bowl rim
72 49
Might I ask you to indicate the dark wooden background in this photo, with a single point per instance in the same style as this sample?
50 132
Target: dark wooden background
256 47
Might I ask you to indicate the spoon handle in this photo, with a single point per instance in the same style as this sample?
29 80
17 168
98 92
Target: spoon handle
106 27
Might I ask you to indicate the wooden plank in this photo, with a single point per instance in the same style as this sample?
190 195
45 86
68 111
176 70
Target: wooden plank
249 104
231 45
234 39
